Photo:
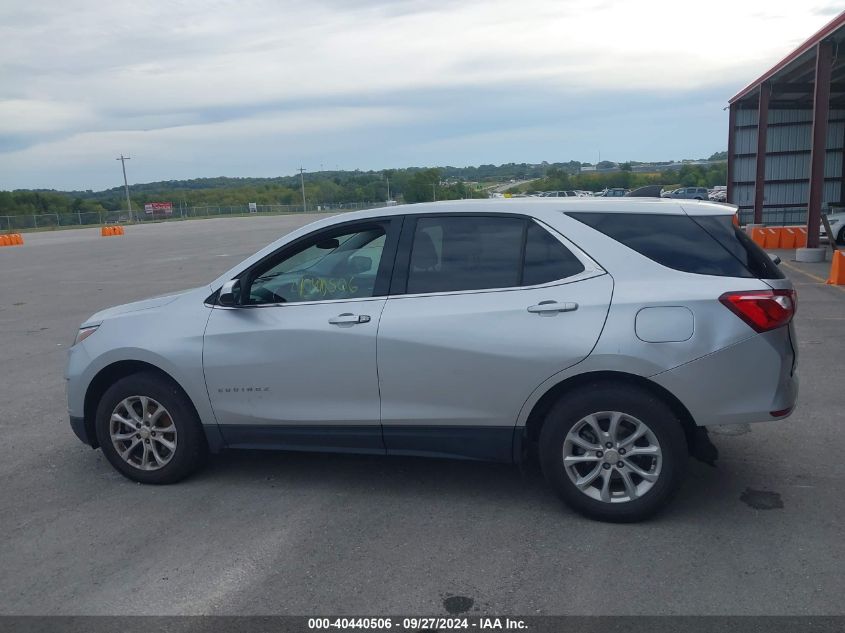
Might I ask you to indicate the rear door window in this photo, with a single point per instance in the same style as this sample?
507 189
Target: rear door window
738 244
454 253
704 245
465 253
546 258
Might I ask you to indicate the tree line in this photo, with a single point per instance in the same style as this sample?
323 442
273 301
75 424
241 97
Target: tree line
339 187
406 185
687 176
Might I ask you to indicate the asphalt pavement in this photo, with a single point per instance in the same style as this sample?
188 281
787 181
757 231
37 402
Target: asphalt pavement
286 533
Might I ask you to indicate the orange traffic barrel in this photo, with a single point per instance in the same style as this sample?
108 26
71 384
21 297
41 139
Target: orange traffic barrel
788 235
772 239
758 234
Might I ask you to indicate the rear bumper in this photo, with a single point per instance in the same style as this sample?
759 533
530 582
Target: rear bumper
746 382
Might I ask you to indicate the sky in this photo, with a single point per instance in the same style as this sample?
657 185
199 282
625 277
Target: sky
204 88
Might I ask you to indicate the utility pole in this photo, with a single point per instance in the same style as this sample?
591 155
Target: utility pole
123 160
302 182
387 178
434 192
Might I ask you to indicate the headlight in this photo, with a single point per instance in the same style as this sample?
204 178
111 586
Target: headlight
84 333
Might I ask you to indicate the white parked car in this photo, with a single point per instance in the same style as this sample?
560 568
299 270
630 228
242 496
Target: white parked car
837 227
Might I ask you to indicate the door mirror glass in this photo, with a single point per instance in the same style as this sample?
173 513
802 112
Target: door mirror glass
230 294
329 244
359 264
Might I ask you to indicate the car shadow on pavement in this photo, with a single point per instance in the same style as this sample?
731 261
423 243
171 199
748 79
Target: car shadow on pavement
451 482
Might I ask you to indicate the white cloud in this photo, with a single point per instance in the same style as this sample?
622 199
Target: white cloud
87 69
22 116
276 137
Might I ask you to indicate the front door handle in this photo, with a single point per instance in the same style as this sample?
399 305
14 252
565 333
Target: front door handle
347 318
550 308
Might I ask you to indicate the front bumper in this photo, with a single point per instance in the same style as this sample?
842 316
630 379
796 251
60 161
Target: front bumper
78 426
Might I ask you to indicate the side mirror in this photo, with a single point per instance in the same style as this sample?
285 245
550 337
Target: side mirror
230 294
359 264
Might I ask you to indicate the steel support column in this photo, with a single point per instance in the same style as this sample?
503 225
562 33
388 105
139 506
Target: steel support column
821 107
842 170
762 135
731 151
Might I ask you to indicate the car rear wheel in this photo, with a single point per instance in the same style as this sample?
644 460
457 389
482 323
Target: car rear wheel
149 431
841 238
613 452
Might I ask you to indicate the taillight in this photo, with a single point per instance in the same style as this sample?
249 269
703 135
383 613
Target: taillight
763 310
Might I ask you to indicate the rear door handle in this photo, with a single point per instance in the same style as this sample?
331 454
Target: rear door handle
552 307
347 318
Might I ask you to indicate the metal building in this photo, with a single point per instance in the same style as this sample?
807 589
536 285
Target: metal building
786 136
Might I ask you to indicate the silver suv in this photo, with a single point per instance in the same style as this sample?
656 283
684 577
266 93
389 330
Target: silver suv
600 335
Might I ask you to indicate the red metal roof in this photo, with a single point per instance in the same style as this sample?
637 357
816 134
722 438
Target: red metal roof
828 29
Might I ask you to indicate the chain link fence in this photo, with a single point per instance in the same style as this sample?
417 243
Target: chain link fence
11 223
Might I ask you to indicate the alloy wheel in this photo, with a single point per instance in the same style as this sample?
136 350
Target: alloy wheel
142 432
612 457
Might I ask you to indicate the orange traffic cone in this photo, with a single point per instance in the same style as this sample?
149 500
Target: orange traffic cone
837 269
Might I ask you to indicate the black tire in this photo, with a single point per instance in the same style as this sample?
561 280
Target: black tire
191 447
841 238
602 396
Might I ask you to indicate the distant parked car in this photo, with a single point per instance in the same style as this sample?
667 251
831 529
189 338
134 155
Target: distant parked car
837 226
648 191
689 193
616 192
559 194
718 195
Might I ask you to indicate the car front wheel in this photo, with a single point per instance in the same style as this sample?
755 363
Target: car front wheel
613 452
149 431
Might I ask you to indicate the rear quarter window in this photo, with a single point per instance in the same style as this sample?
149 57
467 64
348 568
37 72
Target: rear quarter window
735 241
707 245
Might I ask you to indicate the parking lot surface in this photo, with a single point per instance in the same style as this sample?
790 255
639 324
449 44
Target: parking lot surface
277 533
